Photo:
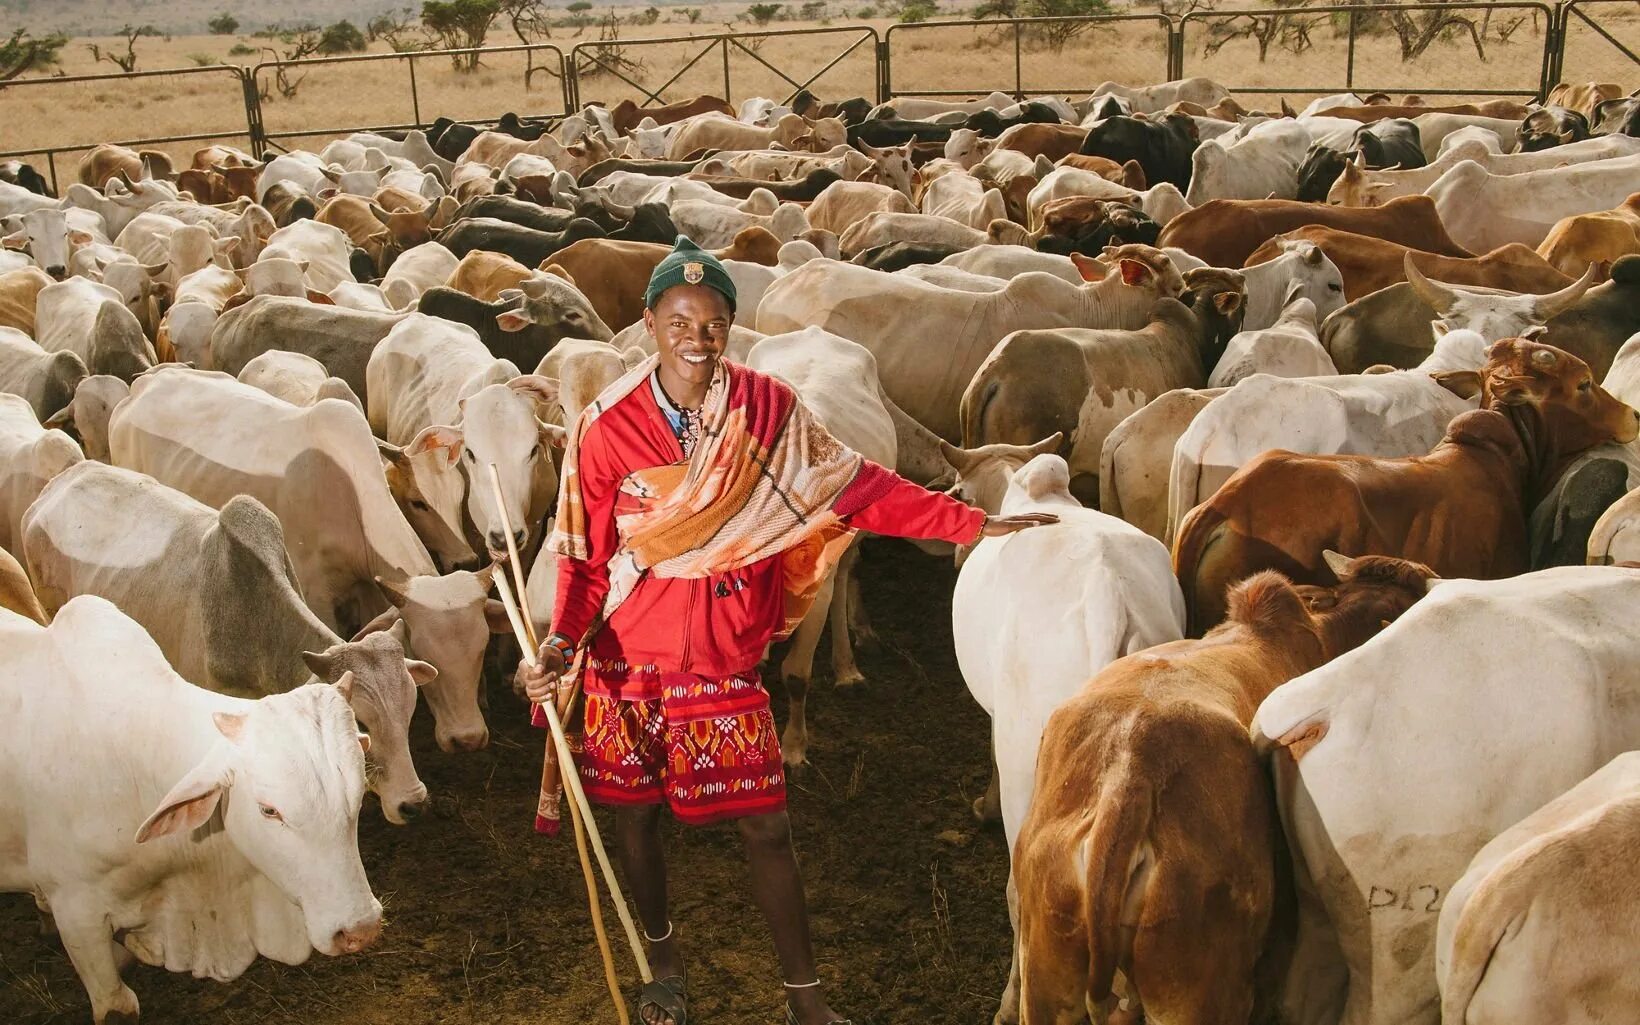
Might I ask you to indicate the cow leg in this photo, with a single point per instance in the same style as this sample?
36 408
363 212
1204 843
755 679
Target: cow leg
988 808
90 946
1047 984
1008 1012
797 670
865 638
844 671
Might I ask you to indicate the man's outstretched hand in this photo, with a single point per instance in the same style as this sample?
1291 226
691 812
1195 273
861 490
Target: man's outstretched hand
997 526
541 682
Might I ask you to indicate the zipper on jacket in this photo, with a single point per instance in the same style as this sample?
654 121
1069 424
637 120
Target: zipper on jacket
688 623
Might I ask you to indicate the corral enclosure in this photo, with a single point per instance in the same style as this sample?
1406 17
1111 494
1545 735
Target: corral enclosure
1304 54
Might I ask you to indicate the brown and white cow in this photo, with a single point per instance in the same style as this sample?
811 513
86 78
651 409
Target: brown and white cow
1151 847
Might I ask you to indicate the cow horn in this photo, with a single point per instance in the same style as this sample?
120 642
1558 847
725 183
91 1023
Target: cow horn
1437 295
1552 305
1339 564
395 590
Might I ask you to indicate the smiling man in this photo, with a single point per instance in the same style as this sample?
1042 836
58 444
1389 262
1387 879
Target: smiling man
701 507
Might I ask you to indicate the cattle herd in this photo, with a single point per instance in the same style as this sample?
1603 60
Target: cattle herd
1311 708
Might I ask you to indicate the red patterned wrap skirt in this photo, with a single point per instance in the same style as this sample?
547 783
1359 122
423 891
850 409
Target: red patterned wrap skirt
706 745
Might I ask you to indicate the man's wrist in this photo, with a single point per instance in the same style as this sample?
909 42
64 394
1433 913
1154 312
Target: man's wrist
565 646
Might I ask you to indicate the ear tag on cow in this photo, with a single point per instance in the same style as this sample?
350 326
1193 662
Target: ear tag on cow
694 273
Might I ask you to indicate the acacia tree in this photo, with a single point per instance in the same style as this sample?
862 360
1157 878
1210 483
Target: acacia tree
460 24
395 28
127 61
529 22
301 41
22 53
223 24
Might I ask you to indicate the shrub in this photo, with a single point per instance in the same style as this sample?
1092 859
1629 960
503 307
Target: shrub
240 50
223 24
342 37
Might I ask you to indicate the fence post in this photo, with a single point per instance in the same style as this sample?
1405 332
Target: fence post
1349 57
253 113
415 97
1175 49
723 42
885 70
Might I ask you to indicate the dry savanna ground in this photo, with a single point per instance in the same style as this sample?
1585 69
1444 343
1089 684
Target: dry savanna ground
924 58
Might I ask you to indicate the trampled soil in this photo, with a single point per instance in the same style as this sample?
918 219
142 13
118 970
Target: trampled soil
488 923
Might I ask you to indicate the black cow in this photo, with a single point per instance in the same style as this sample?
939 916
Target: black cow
1322 166
900 255
1162 146
525 348
1390 142
800 190
890 130
1618 117
1120 225
1108 106
663 168
516 211
991 123
651 222
526 245
25 176
1548 127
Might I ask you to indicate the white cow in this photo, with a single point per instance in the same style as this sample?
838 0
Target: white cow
30 455
1108 589
1290 347
1138 453
1261 164
128 869
1474 709
1398 414
456 410
964 199
325 248
1616 535
1482 210
930 340
91 321
317 469
1358 186
580 369
1161 202
299 379
428 265
88 411
1515 939
837 380
195 578
1152 98
45 379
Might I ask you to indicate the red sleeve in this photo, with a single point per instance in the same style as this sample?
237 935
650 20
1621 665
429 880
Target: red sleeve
582 584
905 509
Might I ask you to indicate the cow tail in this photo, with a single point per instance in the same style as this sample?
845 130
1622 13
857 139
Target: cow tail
975 407
1118 865
1486 918
1202 527
1184 478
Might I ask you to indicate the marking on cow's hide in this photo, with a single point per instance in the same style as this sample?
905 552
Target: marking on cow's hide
1422 898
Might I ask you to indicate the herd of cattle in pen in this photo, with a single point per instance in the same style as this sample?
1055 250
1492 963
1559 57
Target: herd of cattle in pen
250 408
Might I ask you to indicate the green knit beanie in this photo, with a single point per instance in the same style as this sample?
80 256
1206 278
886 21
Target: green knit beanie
689 264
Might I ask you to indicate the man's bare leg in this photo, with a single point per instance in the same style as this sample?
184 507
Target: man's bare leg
643 862
777 886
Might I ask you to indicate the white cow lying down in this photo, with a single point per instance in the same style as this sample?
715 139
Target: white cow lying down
218 843
1406 756
1543 926
1105 588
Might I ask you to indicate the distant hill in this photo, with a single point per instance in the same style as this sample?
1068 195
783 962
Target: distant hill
189 17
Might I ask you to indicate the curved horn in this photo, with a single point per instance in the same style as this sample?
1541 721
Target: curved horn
1437 295
1556 303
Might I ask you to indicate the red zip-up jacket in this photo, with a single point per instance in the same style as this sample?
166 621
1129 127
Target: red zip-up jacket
716 625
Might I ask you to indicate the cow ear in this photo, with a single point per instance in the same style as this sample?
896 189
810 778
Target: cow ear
195 796
1089 268
422 673
543 390
1465 384
16 240
554 435
320 664
1135 272
1227 303
435 437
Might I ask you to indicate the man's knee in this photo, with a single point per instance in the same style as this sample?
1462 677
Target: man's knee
766 831
637 817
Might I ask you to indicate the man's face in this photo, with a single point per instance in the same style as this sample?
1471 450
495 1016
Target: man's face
691 328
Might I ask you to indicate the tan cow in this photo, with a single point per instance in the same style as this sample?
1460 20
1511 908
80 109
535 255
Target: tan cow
496 148
1055 142
381 233
15 592
485 275
19 291
1597 238
716 132
1584 97
1150 849
110 161
1368 264
841 204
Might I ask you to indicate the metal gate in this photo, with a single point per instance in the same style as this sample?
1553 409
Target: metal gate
1599 40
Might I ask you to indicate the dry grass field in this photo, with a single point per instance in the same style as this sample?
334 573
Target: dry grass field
924 58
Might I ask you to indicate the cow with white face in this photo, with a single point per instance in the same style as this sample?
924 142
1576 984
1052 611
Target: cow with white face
438 392
196 579
127 870
51 239
87 413
213 438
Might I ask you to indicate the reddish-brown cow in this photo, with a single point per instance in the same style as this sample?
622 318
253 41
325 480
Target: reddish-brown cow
1225 232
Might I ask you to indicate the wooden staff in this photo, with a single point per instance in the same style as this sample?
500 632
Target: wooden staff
580 810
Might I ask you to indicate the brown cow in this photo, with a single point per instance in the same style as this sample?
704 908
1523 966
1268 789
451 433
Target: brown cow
1152 843
612 274
382 234
19 293
1461 509
1043 140
1129 174
217 185
15 592
217 155
1584 98
1378 111
625 115
1369 264
1224 232
1599 238
485 275
110 161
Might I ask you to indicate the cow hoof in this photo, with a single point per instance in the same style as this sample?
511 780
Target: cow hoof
986 810
850 678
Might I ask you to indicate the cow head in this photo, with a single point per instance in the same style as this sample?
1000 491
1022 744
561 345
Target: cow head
1372 592
549 302
425 480
983 473
1493 314
1548 127
500 428
272 755
1139 266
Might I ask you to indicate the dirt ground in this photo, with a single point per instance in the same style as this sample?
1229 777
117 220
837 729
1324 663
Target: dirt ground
487 922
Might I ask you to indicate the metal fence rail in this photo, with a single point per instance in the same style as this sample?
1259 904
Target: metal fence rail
591 60
1328 42
1326 49
1099 42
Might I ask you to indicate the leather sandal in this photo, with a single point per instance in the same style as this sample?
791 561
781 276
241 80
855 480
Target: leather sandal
667 995
791 1018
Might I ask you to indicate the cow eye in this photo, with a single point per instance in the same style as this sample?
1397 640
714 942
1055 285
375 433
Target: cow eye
270 812
1335 288
1585 385
469 456
420 506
